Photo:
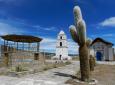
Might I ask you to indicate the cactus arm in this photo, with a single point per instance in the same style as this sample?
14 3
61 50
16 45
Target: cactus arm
77 14
88 42
74 33
81 27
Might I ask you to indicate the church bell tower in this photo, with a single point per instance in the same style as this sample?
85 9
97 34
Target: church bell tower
62 47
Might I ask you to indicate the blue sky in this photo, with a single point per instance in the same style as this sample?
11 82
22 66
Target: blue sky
45 18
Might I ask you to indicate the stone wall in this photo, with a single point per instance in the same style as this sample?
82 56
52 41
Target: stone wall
23 57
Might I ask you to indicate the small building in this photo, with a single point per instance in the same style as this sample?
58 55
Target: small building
103 50
62 47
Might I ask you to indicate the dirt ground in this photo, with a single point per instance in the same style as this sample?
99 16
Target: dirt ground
53 76
105 74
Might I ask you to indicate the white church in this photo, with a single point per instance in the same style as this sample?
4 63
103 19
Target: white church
103 49
61 47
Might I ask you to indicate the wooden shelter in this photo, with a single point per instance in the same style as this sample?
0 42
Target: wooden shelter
18 48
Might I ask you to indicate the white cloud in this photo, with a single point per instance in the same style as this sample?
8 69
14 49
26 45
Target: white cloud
107 35
73 47
45 28
49 44
102 35
108 22
20 27
8 29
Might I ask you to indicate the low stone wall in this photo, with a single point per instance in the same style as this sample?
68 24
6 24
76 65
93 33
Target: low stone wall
23 57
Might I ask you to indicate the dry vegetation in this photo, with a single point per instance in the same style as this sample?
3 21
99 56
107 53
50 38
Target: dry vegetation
76 58
55 65
105 74
20 69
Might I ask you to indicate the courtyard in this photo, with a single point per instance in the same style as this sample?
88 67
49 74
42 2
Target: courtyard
56 76
104 71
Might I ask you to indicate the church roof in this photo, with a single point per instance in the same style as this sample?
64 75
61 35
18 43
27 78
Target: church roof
101 40
61 32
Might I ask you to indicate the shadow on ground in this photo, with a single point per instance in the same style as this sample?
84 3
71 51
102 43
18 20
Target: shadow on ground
65 75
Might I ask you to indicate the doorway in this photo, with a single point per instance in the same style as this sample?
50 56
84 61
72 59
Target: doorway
60 57
99 56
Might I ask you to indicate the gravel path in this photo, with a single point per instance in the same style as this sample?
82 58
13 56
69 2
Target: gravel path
55 76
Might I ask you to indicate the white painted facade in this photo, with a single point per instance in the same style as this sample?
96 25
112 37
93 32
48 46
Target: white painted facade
62 47
106 50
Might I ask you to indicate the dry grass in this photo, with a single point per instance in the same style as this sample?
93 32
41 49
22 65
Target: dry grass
35 69
76 58
105 74
55 65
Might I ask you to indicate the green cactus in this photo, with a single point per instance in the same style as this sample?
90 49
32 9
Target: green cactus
78 33
88 42
92 63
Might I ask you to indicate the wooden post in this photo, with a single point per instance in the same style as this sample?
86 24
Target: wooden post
7 47
38 47
38 50
17 46
14 47
4 46
29 44
6 59
23 46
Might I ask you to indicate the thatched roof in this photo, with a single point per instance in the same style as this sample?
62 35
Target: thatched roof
21 38
101 40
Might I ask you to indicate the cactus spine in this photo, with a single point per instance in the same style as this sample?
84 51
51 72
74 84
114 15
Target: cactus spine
78 33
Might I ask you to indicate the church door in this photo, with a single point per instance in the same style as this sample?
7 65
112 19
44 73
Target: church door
60 57
99 56
60 43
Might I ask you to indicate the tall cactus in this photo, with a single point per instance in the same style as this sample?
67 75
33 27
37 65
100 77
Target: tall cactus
78 33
